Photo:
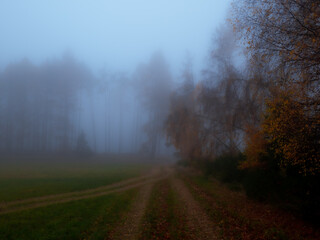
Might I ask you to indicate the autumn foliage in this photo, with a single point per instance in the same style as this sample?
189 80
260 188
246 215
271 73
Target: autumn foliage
284 36
256 146
183 130
292 132
262 115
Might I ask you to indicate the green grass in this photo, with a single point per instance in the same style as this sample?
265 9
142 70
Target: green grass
83 219
22 180
164 218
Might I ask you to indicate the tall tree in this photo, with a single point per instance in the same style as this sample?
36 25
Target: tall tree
183 127
221 94
291 53
153 81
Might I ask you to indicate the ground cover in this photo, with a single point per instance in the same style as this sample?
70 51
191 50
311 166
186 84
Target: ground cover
84 219
28 180
238 217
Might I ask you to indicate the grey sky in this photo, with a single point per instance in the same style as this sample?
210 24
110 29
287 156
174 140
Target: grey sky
118 34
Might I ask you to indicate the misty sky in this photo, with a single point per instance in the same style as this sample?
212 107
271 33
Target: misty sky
118 34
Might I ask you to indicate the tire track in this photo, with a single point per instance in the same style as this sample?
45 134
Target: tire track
199 225
130 228
21 205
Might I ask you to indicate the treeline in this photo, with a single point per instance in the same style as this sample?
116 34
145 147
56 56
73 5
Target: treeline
153 81
61 106
254 117
39 105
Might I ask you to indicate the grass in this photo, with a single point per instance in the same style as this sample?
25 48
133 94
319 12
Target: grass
164 218
241 218
92 218
83 219
27 180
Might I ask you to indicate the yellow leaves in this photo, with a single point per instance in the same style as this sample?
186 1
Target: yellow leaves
292 53
255 148
289 131
234 28
263 57
182 129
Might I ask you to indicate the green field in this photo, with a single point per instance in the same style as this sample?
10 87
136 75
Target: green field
21 181
84 219
92 218
99 200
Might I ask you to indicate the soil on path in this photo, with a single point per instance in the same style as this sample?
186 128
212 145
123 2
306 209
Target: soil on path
199 225
130 228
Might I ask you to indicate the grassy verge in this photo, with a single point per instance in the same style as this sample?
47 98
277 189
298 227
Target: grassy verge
21 181
84 219
164 218
241 218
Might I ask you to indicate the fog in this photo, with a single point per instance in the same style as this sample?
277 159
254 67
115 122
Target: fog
97 76
138 119
116 34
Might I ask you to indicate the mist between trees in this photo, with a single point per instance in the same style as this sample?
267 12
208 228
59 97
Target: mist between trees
60 106
254 117
258 95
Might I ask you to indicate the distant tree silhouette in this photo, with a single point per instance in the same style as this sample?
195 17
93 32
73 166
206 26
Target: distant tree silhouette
38 104
82 148
154 85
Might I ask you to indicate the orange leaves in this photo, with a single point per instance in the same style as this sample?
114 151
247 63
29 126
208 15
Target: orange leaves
290 129
256 147
292 133
282 40
182 126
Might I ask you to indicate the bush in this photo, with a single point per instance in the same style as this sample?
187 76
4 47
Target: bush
265 182
258 183
261 184
224 168
284 187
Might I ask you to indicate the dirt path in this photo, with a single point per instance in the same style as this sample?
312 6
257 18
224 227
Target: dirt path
155 175
131 227
129 230
74 193
199 225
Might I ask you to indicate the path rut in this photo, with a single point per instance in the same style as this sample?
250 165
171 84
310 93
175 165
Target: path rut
79 195
130 228
198 223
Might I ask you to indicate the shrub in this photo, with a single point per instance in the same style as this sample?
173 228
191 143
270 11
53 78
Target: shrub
224 168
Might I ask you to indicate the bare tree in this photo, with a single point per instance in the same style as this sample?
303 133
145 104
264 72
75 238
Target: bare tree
153 81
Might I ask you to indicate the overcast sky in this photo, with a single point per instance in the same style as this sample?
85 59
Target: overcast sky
118 34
